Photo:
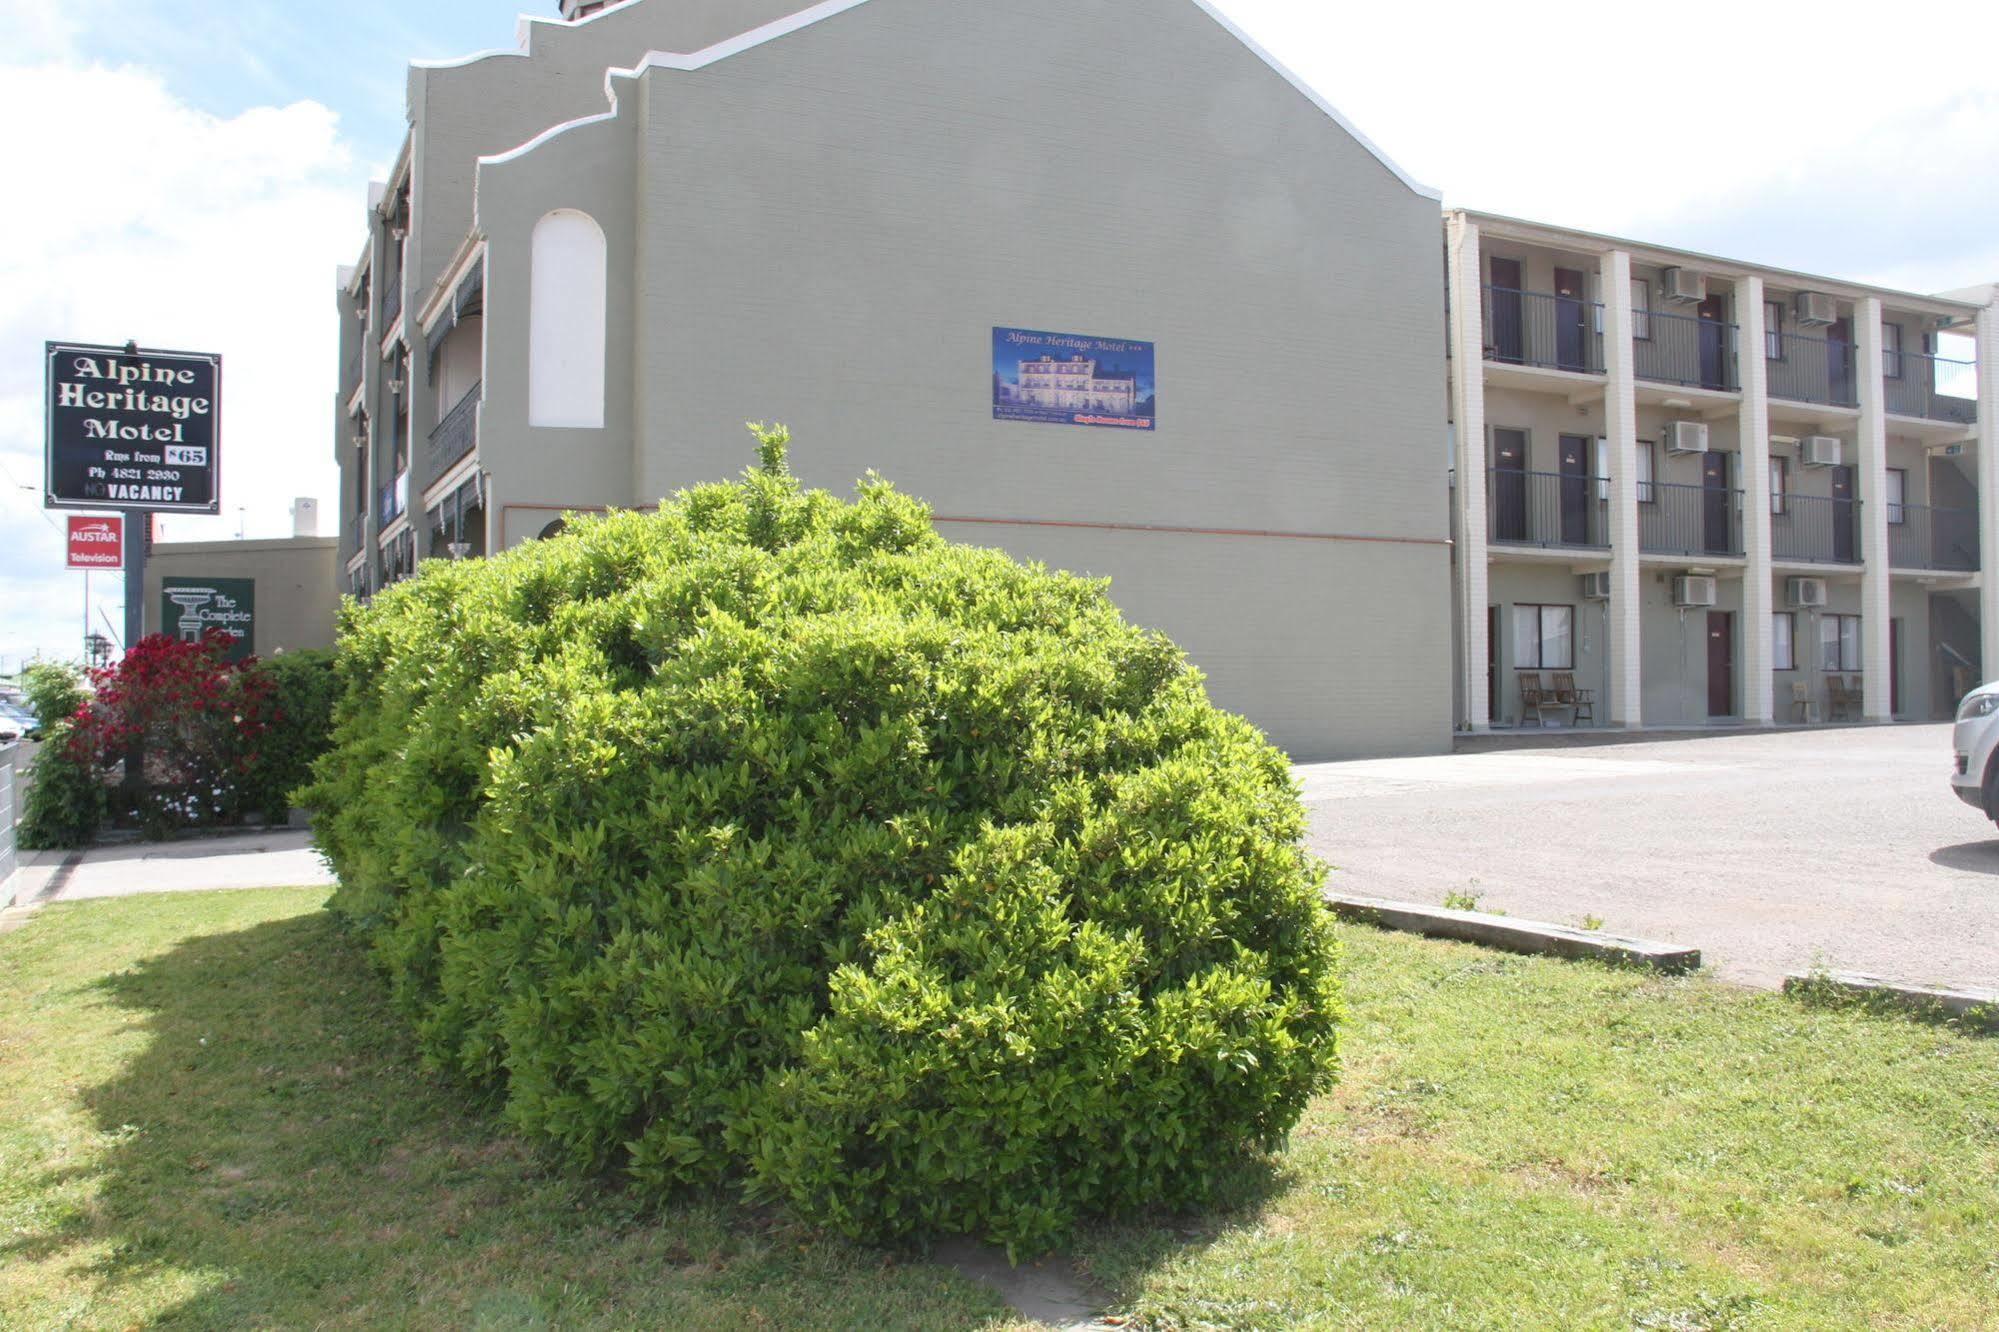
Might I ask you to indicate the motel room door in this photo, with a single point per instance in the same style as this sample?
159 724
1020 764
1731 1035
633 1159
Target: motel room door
1506 332
1571 319
1842 515
1576 486
1509 485
1717 505
1713 326
1720 664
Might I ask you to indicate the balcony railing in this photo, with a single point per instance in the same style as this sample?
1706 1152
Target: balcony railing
1933 387
392 301
1817 530
1683 349
393 499
1811 369
456 435
1923 537
350 374
1689 520
1545 509
1535 328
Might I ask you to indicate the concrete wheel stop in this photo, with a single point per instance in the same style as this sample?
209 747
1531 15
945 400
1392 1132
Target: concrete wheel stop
1517 936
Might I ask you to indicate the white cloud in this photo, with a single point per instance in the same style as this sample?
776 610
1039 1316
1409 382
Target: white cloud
138 216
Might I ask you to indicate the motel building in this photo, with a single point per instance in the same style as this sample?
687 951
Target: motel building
1684 491
1690 491
1076 385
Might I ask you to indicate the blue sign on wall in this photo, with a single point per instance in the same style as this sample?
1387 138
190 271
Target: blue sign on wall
1073 379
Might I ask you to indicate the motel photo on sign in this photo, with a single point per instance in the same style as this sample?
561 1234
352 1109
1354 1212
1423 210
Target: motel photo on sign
134 430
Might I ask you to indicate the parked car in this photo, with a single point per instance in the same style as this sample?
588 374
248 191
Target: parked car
1976 735
16 722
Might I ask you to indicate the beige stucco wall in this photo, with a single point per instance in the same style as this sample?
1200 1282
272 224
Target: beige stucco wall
297 588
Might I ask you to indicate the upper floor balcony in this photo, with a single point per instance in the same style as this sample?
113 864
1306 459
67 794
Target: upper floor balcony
1550 510
1544 330
1692 520
1701 349
1922 536
1935 388
456 435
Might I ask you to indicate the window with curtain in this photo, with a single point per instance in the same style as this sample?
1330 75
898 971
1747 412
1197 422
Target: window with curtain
1641 308
1839 643
1544 638
1784 641
1647 463
1897 497
1780 485
1773 330
1891 350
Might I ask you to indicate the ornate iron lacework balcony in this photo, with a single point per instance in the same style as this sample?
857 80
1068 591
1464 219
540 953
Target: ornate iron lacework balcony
457 434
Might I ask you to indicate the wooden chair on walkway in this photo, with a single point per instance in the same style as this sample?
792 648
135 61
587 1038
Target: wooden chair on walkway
1804 708
1533 698
1581 703
1845 697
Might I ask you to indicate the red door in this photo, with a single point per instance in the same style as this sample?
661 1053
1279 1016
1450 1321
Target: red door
1720 664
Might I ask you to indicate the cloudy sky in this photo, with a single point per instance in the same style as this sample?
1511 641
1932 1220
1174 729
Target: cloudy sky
189 174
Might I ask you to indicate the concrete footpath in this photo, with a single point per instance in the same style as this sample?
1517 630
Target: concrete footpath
281 858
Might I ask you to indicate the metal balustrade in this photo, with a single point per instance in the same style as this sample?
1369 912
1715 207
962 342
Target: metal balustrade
1936 388
1811 369
1921 536
1678 519
1685 349
1816 530
456 435
1540 329
1546 509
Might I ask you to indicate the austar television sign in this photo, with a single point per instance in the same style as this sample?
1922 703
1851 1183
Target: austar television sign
132 429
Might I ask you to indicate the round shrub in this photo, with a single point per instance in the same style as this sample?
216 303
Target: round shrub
773 839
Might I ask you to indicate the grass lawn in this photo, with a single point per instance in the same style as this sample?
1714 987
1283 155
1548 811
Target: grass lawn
208 1118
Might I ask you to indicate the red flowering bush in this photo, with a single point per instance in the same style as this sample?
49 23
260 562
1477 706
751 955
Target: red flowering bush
195 721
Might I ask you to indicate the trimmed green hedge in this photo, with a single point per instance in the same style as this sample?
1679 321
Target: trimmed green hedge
772 839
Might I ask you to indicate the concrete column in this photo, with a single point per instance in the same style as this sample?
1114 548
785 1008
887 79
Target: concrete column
1620 430
1467 334
1988 488
1876 583
1753 430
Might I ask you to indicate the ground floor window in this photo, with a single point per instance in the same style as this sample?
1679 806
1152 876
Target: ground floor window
1839 643
1544 638
1784 641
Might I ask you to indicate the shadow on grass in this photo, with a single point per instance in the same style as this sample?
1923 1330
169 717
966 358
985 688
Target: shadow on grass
276 1155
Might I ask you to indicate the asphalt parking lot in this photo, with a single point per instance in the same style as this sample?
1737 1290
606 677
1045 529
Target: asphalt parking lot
1771 853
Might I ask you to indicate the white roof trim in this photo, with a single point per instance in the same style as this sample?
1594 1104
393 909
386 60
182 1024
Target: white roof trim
805 18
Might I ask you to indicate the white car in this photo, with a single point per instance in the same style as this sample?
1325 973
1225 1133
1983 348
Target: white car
1975 738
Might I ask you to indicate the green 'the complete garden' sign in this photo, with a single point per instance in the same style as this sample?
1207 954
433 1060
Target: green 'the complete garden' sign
190 607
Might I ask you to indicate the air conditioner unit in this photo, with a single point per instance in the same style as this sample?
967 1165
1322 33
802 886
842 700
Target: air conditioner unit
1807 592
1596 586
1686 437
1815 307
1821 451
1683 285
1693 590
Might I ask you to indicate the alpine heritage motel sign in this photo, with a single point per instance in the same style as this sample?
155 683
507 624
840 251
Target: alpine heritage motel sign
131 429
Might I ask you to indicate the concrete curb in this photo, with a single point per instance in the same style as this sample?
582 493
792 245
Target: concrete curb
1978 1008
1519 936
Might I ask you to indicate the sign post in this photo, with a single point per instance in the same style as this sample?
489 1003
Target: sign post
139 431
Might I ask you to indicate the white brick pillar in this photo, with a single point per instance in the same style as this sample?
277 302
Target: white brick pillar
1620 422
1988 488
1876 583
1753 432
1467 336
